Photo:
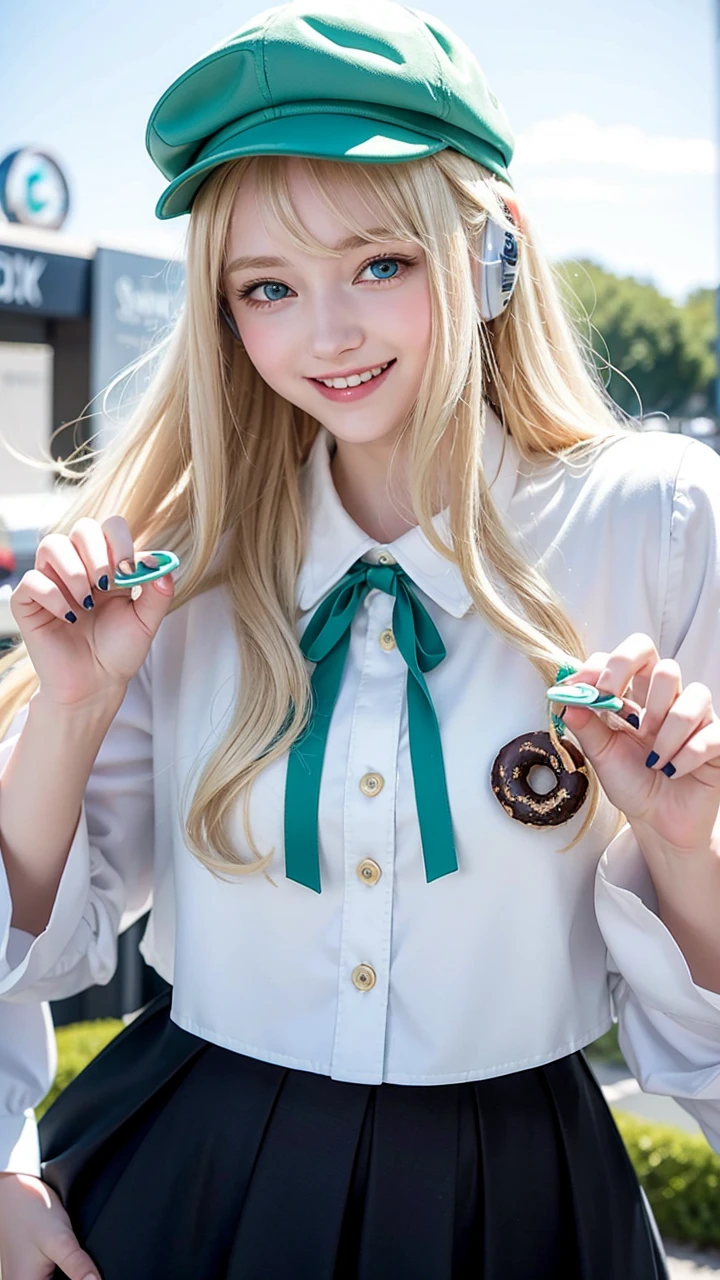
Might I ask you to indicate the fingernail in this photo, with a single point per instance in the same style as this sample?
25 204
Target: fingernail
668 769
103 582
633 720
150 562
126 566
88 603
652 759
70 616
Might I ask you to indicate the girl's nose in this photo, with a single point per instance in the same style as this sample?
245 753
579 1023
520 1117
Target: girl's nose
332 329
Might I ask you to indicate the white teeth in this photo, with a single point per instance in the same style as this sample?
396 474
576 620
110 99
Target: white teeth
355 378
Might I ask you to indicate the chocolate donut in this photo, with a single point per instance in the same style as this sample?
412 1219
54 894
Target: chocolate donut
509 779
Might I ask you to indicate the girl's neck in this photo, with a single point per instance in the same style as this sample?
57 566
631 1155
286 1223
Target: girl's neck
360 473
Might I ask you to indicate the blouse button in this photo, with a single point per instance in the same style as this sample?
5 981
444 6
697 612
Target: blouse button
371 784
384 557
387 640
363 977
368 871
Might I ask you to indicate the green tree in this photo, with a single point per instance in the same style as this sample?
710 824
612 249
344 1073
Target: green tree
660 352
702 321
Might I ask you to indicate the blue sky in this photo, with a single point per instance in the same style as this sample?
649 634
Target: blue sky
613 106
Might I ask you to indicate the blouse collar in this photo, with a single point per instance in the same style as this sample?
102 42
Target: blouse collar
335 541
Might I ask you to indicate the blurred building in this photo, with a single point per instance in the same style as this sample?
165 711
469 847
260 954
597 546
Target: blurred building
73 314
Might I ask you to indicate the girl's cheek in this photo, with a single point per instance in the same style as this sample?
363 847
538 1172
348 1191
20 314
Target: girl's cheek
413 312
264 348
412 323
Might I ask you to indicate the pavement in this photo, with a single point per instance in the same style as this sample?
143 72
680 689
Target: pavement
624 1094
689 1264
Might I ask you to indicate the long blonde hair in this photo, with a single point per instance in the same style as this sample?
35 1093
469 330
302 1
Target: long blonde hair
211 450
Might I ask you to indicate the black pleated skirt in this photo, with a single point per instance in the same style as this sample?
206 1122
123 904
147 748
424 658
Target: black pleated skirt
180 1160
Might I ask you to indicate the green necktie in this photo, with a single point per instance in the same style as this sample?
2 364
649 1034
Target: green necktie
325 642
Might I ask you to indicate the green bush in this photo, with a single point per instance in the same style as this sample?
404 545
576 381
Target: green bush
681 1176
679 1171
607 1049
77 1044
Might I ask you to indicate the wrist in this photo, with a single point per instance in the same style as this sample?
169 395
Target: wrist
683 878
656 849
97 707
687 886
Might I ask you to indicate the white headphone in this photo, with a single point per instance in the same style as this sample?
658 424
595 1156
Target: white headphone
499 266
499 263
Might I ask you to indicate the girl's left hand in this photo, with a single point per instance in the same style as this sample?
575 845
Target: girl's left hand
679 726
36 1235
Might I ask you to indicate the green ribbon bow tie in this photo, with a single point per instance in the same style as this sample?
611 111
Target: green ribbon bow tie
325 642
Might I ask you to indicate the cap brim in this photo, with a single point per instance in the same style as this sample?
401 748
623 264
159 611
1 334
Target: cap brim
326 136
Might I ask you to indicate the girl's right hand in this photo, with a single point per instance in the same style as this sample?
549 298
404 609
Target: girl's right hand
99 653
36 1234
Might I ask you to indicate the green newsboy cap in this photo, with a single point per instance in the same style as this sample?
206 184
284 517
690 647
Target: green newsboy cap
357 80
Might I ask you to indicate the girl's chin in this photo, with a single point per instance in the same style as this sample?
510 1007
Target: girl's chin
362 433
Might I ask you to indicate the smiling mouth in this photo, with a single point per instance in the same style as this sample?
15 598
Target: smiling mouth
355 379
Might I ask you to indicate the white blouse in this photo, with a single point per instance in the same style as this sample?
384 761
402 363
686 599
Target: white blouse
517 958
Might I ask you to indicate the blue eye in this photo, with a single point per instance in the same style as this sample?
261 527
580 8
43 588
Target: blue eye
382 265
389 268
276 297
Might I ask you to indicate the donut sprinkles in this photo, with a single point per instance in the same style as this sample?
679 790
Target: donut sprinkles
509 780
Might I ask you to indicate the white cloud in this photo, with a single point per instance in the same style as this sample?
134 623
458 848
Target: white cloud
579 140
577 190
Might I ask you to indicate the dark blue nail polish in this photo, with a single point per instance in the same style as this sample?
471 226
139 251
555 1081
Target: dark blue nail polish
668 769
633 720
103 582
70 616
88 603
652 759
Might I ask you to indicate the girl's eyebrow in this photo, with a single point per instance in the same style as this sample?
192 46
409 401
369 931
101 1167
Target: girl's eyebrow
350 242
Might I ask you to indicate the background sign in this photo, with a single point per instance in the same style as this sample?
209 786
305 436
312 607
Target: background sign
134 302
43 284
33 190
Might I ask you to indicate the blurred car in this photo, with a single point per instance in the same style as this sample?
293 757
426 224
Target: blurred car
654 422
8 569
8 559
699 427
24 518
705 429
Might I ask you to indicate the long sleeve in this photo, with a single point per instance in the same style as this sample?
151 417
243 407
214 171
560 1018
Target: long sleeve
669 1027
107 880
28 1061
